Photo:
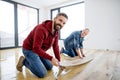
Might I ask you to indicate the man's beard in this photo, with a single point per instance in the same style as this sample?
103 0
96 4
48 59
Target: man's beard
56 28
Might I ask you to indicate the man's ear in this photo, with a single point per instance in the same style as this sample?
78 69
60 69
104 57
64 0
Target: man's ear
54 18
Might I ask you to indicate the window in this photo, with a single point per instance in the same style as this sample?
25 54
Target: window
16 21
54 13
27 19
7 37
76 18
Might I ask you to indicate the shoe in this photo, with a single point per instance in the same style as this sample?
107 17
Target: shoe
20 64
62 50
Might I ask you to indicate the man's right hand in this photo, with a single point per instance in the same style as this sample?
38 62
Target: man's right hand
55 62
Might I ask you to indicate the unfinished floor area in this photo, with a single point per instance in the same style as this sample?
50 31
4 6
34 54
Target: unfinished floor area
104 66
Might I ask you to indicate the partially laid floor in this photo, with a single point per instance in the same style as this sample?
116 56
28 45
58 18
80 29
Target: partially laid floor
104 66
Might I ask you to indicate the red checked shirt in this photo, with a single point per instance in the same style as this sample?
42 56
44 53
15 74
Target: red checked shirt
41 39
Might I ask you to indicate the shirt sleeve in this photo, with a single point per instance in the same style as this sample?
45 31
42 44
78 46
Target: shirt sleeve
56 48
81 43
76 41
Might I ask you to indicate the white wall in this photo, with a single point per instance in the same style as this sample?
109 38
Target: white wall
103 19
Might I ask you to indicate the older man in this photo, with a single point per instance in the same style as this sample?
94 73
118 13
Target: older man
74 43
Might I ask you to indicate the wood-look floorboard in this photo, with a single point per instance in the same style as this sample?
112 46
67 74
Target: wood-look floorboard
104 66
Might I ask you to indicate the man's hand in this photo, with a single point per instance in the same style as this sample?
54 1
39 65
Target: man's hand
81 55
55 62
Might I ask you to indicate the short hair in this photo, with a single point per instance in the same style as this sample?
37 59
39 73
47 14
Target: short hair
87 29
62 14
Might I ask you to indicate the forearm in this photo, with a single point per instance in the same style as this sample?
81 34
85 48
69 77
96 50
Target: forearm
78 51
81 50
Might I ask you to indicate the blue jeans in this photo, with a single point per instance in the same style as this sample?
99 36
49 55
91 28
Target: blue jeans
36 64
70 52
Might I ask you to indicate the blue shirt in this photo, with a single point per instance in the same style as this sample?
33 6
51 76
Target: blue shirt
74 40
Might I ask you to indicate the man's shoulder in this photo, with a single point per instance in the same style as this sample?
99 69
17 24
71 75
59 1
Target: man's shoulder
47 22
